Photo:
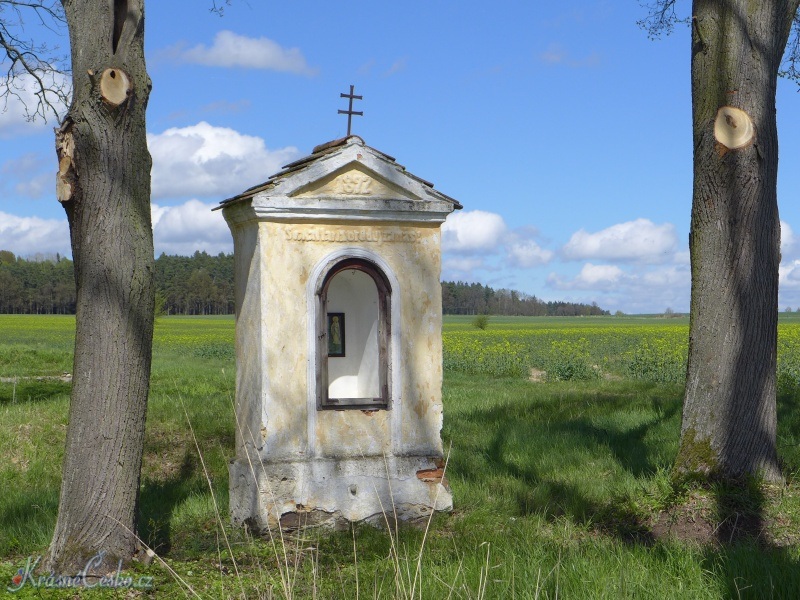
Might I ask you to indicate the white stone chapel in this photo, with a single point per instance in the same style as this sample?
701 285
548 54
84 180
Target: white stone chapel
338 343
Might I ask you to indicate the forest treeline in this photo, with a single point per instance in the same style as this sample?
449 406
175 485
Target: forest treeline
202 284
460 298
185 285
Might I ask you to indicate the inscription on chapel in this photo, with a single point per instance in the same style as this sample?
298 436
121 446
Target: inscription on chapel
362 234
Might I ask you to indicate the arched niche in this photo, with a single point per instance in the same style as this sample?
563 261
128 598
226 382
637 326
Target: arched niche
353 325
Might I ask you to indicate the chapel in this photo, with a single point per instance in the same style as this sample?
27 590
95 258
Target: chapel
338 342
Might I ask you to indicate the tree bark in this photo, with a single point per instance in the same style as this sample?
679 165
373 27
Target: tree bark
104 186
729 413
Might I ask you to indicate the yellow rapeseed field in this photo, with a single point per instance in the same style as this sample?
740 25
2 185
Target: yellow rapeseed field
548 348
571 349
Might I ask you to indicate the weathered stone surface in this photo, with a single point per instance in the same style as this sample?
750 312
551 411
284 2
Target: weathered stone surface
371 490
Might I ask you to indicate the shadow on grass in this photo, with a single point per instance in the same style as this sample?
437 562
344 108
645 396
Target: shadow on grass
789 430
158 500
567 447
749 570
742 555
745 558
593 456
174 511
33 390
628 445
547 494
582 453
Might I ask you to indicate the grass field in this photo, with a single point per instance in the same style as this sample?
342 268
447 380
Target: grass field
562 433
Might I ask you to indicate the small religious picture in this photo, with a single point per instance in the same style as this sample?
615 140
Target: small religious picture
335 334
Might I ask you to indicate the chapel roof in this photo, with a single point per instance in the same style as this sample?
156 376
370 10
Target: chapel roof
322 152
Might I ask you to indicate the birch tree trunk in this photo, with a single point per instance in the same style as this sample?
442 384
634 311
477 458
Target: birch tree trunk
729 413
104 186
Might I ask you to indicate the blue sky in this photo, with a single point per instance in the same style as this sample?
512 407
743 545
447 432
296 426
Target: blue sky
563 130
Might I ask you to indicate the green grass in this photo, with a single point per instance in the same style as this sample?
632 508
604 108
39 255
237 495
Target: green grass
556 484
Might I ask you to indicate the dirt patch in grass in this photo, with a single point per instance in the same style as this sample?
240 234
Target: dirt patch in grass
690 521
705 519
612 377
65 377
537 376
167 455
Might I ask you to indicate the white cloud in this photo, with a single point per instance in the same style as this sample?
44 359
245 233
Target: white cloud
181 229
789 284
189 227
203 160
463 265
37 186
471 231
669 277
636 241
367 67
233 50
633 290
682 257
14 120
789 274
479 239
789 269
591 277
26 236
397 66
787 239
32 176
527 254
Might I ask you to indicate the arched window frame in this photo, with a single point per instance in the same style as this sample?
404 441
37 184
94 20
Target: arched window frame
384 289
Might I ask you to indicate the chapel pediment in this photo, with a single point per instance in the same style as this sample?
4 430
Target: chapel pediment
353 181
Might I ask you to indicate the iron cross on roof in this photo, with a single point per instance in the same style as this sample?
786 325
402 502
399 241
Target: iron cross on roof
350 112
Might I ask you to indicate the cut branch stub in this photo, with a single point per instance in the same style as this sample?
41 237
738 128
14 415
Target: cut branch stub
65 149
733 128
115 86
63 182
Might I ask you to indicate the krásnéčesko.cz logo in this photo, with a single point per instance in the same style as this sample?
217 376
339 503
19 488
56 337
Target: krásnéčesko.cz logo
25 576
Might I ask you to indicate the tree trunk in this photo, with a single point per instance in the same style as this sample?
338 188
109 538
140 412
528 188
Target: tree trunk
104 185
729 414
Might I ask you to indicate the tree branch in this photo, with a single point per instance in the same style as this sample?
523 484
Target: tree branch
661 18
218 7
35 74
790 68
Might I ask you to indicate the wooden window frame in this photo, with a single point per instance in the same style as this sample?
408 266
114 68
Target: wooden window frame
383 401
